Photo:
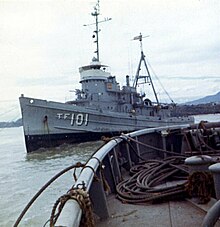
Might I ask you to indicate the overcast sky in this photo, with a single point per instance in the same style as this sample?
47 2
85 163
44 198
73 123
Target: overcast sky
43 43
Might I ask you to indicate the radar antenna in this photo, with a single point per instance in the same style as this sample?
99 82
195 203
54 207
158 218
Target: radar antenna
138 76
96 14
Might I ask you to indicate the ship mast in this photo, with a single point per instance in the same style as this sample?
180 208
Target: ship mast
96 14
138 76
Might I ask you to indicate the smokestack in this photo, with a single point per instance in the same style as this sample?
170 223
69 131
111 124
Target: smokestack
127 81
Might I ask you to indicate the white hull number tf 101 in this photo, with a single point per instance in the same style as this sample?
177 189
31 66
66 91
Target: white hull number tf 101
78 119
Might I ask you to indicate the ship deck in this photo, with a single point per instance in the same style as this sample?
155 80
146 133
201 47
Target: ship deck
167 214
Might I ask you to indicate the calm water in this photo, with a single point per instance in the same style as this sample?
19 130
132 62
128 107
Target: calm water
22 175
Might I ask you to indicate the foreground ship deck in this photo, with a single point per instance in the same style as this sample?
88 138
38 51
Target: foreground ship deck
168 214
144 178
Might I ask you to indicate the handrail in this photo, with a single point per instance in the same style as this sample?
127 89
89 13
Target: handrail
86 177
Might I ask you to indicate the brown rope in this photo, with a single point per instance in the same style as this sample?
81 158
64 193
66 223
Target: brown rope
82 198
201 185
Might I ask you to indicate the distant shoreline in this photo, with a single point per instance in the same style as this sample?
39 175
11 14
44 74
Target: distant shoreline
186 110
11 124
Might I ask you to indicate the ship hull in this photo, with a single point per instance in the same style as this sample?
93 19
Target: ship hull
49 124
35 142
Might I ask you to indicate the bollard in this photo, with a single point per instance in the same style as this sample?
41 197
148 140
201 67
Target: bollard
215 170
198 163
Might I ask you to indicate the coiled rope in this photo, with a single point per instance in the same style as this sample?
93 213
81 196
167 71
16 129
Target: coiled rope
146 183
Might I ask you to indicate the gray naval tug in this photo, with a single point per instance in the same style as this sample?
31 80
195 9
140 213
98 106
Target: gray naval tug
101 107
